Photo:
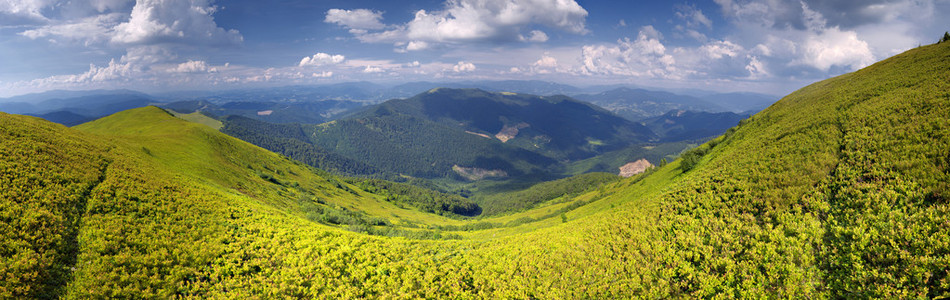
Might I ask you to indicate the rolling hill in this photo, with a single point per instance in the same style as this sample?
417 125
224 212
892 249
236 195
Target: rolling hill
839 190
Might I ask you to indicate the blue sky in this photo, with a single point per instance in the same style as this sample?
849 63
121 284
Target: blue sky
765 46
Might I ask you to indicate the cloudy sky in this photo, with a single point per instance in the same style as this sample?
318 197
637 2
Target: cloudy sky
769 46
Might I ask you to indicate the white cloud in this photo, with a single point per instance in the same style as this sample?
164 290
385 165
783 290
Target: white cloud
321 59
87 31
324 74
756 68
19 12
464 21
417 45
463 67
113 71
358 19
644 57
546 62
718 49
799 38
536 36
185 22
834 47
372 69
192 66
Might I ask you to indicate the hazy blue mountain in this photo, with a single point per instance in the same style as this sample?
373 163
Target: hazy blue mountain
741 102
684 125
74 107
639 104
556 126
270 111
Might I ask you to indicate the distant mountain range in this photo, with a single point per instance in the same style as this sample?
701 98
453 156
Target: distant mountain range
75 107
321 103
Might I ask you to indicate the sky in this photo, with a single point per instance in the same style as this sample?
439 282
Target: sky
766 46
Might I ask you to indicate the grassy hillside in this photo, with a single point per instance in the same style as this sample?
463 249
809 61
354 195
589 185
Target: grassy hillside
839 190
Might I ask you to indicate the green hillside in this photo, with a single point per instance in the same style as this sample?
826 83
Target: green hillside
839 190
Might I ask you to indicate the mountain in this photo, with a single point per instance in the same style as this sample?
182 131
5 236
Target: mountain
290 140
74 107
556 126
639 104
65 94
270 111
298 93
838 190
741 102
681 125
65 117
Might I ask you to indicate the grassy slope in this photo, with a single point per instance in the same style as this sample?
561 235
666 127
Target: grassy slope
838 190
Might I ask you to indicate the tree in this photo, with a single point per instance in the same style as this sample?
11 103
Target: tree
946 37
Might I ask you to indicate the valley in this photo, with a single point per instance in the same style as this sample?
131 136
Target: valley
838 190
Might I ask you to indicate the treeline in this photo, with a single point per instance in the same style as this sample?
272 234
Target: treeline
289 140
425 200
567 188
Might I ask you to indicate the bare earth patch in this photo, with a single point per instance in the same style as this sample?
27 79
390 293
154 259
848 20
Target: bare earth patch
634 168
479 134
477 173
509 132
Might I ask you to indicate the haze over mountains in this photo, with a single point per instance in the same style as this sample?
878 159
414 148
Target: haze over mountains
838 190
315 104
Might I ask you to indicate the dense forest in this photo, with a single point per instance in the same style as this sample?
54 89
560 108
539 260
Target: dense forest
839 190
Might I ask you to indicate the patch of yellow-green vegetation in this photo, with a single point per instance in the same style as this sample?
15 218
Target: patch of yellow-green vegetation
199 118
508 93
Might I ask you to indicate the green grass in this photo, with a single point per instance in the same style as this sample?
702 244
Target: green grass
839 190
200 118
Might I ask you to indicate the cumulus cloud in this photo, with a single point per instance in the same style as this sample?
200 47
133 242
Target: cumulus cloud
372 69
463 21
321 59
546 62
463 67
718 49
324 74
360 19
87 31
192 66
644 57
834 47
795 35
417 45
150 22
158 21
